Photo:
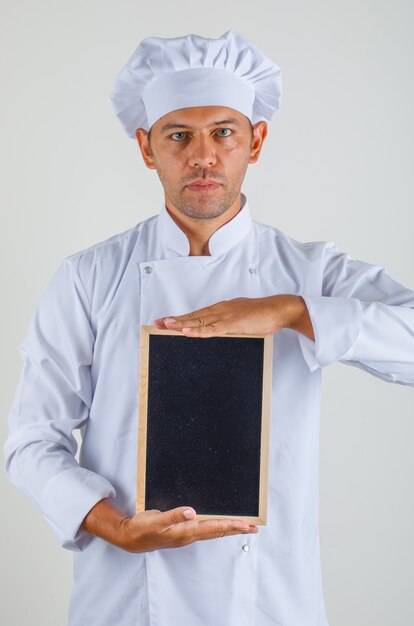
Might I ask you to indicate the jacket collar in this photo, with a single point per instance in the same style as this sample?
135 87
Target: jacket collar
226 237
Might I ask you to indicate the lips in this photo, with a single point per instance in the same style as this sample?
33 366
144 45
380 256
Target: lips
203 186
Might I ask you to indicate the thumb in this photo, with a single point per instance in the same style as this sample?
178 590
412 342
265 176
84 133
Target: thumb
180 514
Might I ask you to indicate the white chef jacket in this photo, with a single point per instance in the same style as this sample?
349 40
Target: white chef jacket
81 370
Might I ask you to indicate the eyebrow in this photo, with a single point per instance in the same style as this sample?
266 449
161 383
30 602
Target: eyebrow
230 120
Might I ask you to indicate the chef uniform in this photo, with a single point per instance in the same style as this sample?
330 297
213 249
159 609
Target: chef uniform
81 370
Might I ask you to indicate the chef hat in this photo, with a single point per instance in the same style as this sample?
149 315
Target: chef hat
164 75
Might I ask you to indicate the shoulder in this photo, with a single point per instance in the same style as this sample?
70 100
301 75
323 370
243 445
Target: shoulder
116 245
115 251
275 239
101 267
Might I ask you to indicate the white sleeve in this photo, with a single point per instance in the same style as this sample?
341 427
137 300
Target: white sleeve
53 398
363 318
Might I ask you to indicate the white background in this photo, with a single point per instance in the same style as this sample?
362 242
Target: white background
337 165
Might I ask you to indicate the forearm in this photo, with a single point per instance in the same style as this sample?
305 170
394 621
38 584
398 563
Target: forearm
297 315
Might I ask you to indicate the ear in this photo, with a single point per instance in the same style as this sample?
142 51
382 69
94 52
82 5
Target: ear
144 145
259 135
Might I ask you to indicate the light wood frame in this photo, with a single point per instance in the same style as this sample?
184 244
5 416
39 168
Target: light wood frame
146 331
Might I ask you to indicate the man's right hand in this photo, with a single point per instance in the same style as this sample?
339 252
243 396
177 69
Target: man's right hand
154 530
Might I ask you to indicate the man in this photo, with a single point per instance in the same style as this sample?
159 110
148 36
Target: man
198 109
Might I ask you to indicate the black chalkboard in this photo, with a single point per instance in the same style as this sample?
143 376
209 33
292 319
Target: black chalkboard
203 436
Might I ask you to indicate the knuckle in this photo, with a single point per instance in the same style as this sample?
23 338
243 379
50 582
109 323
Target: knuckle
219 530
179 543
217 327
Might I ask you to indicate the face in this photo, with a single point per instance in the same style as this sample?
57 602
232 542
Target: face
202 144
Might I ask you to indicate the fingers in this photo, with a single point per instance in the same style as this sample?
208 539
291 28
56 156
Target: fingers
212 330
190 321
206 314
206 326
212 529
182 531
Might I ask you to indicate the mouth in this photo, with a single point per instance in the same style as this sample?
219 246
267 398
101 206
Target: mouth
203 187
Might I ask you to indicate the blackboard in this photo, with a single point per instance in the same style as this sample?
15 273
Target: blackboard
204 422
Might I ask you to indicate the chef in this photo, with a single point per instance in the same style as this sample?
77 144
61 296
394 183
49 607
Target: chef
198 109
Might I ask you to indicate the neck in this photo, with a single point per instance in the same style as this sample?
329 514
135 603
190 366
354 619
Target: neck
199 230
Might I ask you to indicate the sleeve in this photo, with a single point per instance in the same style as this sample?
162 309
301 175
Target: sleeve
363 318
53 397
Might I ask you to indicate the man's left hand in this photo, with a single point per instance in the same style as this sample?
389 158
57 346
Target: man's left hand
244 316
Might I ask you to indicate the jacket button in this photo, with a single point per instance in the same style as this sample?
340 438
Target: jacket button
246 547
147 269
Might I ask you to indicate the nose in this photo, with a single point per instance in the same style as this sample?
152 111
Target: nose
202 152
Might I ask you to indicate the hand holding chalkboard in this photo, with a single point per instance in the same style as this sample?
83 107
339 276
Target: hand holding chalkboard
153 529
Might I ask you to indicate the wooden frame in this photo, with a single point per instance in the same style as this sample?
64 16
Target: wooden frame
144 373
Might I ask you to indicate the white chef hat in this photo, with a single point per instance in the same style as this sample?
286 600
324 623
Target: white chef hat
164 75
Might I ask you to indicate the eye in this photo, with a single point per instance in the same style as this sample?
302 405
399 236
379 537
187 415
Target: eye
177 133
225 129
